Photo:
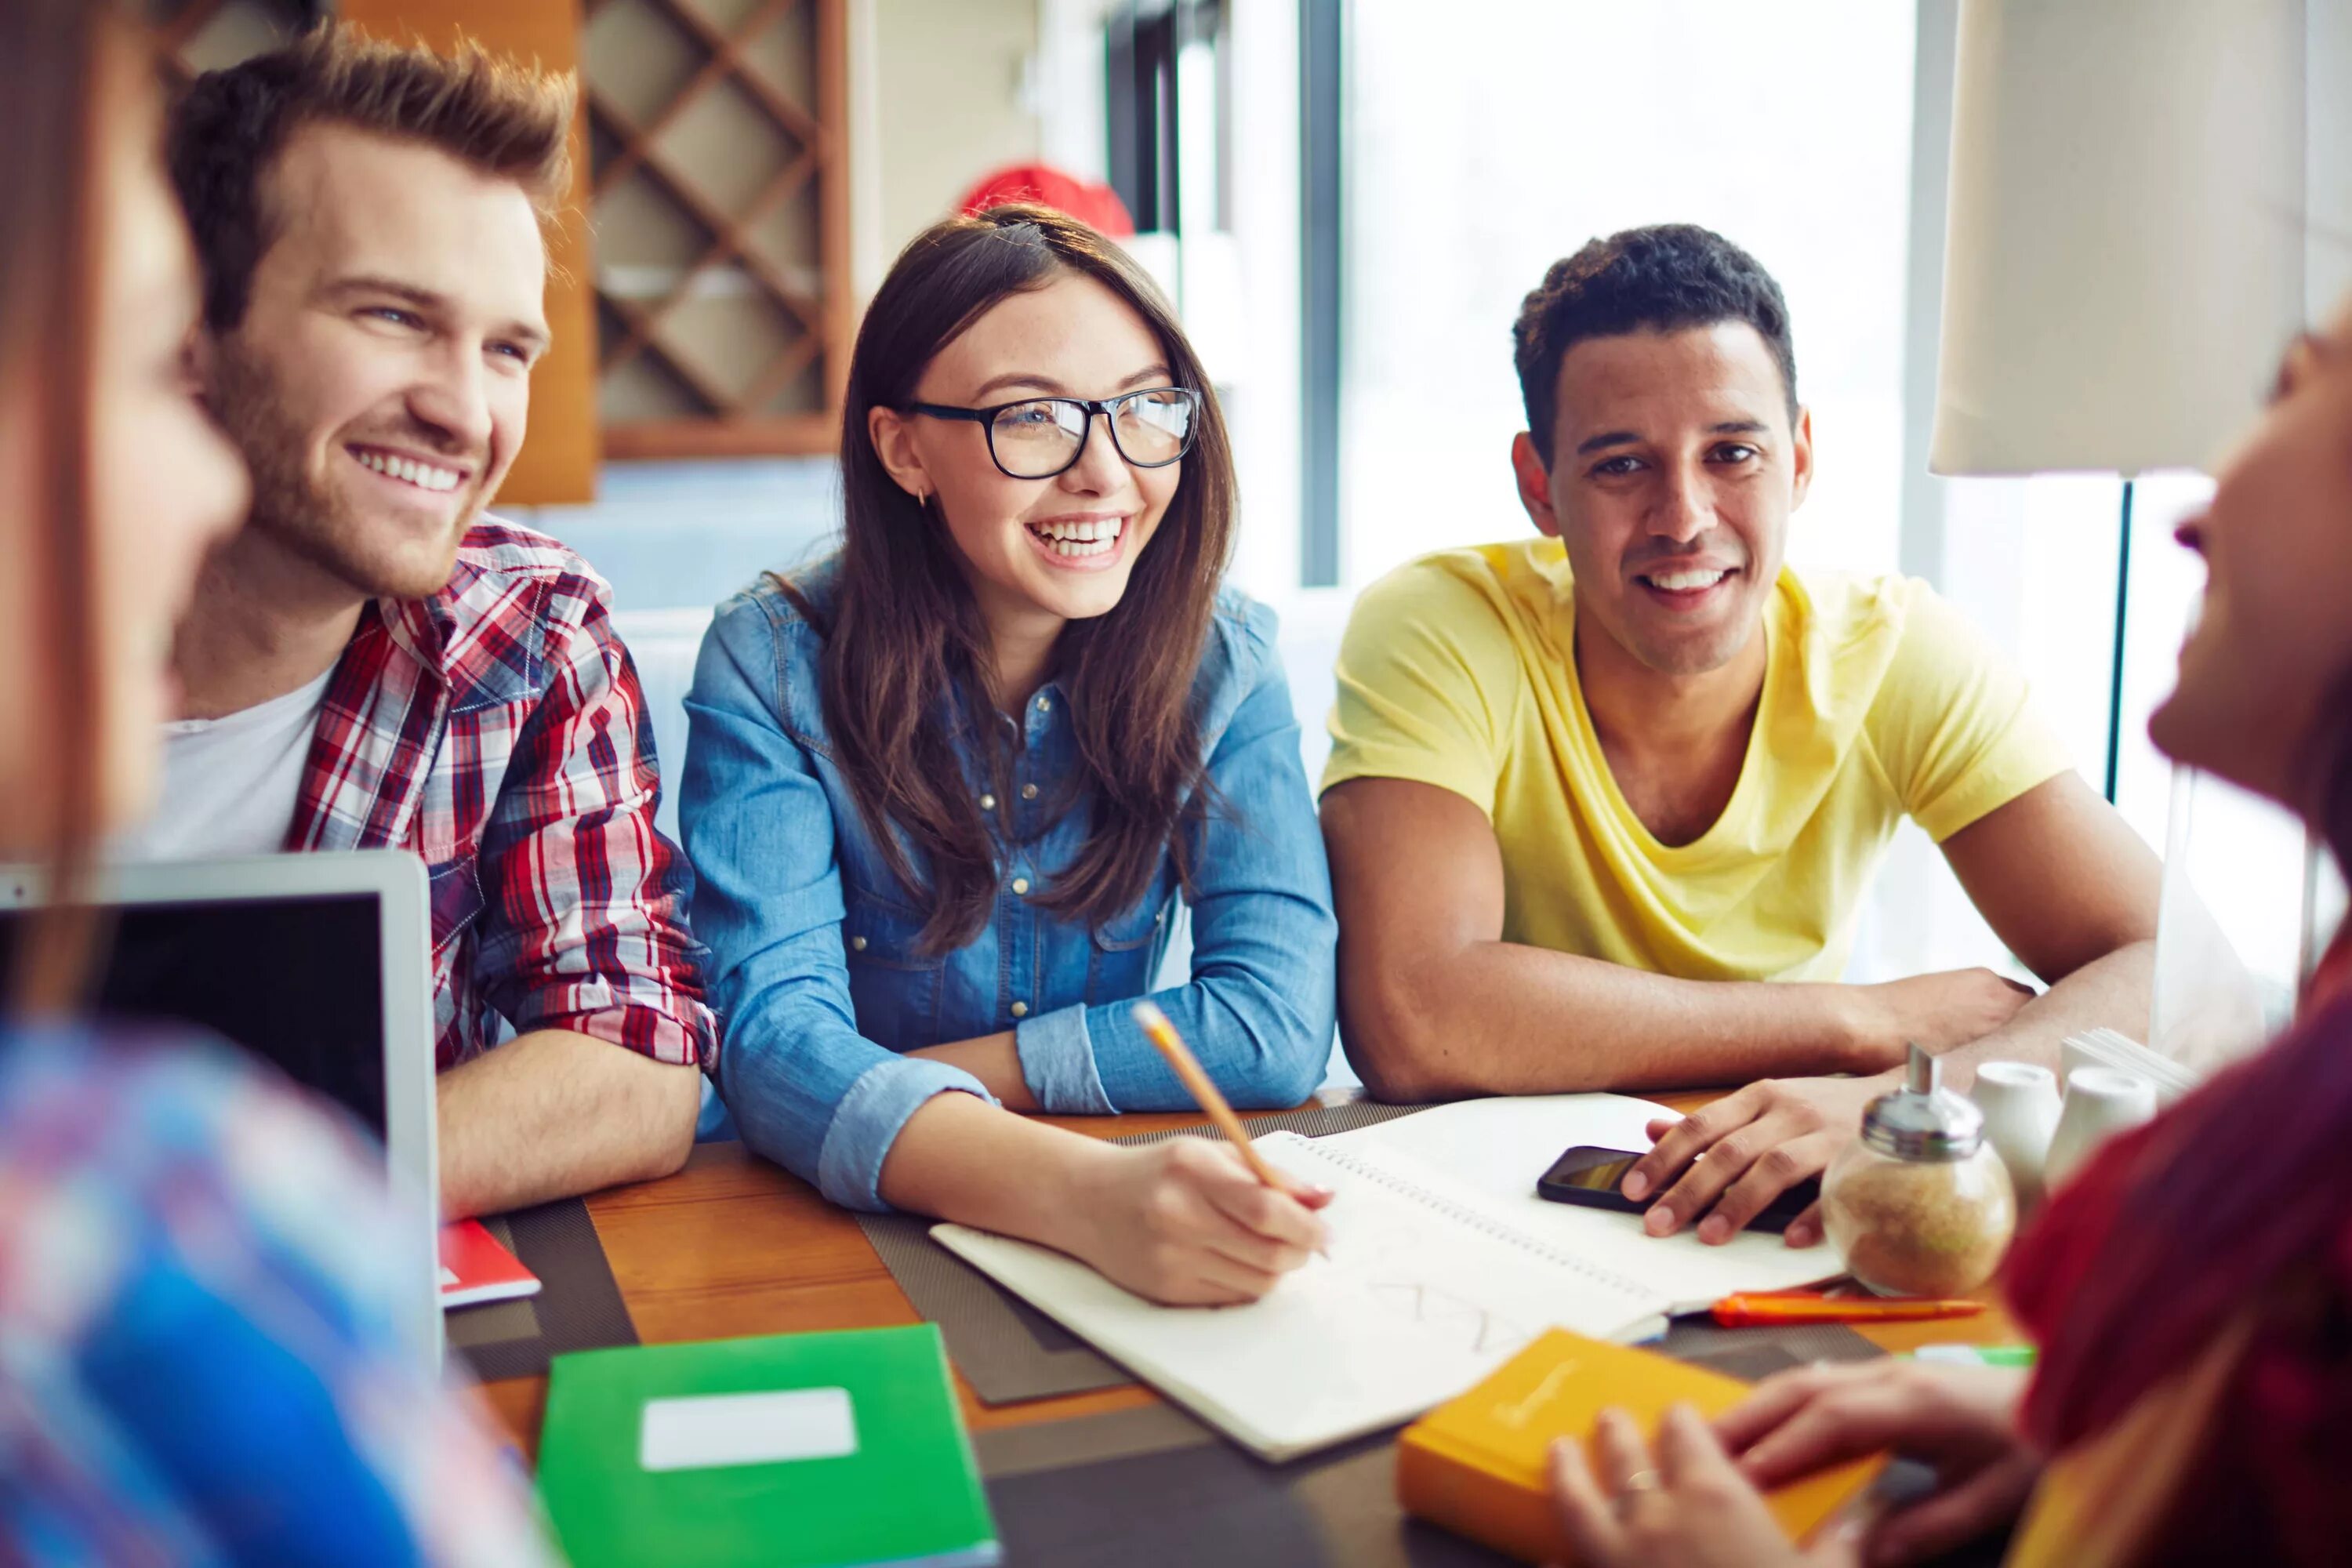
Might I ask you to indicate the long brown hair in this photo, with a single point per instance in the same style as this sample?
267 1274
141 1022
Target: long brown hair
64 64
907 657
2328 770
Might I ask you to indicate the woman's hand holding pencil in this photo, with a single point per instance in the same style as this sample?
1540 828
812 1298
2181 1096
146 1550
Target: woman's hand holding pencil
1187 1224
1195 1221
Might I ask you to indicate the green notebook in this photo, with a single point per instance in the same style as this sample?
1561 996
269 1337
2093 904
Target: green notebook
794 1451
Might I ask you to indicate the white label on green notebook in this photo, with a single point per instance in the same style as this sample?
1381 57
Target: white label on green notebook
709 1431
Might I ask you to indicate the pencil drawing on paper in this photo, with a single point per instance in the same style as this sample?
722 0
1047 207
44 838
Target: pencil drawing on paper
1475 1328
1387 1261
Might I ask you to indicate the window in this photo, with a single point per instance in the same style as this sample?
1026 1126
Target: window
2035 560
1483 147
1360 181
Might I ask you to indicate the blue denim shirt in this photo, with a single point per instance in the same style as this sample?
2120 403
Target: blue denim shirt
814 963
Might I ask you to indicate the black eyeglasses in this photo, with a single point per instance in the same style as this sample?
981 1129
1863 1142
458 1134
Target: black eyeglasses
1039 437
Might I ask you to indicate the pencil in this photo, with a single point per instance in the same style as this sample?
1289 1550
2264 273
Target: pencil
1163 1035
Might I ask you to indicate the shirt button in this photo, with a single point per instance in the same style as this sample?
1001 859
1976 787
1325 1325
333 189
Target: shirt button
1020 884
1028 792
1021 1009
857 944
988 803
1044 706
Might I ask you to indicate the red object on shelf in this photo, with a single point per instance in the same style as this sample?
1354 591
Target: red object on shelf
1091 202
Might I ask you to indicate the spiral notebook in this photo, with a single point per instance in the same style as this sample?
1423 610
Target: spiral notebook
1430 1286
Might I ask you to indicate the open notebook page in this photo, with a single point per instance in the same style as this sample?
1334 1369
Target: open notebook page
1418 1301
1493 1151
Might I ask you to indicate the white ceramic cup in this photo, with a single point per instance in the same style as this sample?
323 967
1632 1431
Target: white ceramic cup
2100 1102
2020 1106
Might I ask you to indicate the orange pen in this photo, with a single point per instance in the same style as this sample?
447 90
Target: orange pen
1758 1311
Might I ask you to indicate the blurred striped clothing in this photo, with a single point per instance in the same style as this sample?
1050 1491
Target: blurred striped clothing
199 1364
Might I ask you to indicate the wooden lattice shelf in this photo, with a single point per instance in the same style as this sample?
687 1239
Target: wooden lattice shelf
720 198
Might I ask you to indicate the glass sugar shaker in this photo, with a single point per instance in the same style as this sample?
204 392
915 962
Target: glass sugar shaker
1919 1205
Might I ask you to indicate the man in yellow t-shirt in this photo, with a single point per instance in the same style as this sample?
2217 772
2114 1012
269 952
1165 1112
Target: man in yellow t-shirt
1588 793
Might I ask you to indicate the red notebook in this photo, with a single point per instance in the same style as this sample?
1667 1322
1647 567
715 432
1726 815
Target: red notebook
475 1268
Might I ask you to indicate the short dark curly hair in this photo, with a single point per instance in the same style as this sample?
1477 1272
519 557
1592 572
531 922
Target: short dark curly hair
1662 278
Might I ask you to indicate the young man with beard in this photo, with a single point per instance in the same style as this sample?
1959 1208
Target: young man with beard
371 661
1589 792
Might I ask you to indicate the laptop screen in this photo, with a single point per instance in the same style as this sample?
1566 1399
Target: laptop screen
295 980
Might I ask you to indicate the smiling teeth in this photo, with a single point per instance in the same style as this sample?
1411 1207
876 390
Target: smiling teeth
1685 582
1096 537
423 476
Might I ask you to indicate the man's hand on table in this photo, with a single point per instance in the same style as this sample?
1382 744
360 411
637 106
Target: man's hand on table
1720 1166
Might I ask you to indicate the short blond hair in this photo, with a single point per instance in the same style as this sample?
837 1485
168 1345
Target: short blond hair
505 119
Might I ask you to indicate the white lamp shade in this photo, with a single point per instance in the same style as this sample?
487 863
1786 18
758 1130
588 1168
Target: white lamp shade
2123 244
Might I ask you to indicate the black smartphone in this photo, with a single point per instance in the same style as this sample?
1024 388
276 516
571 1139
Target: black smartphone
1590 1176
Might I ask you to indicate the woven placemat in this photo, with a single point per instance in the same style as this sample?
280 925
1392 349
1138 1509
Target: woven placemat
1006 1349
1154 1485
1152 1488
1143 1504
578 1307
1753 1355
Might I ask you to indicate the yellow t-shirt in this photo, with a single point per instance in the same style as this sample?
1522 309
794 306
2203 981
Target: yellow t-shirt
1879 701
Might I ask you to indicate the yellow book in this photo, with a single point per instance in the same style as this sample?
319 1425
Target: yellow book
1477 1464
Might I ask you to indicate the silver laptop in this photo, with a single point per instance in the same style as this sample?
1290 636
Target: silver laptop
316 963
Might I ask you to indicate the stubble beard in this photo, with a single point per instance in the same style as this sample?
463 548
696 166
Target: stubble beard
1694 653
297 509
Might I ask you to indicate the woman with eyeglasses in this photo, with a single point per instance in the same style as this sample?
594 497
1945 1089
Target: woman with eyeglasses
946 788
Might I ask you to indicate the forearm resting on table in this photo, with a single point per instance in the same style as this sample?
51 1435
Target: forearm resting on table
2074 892
959 1158
2112 993
994 1059
554 1113
1499 1017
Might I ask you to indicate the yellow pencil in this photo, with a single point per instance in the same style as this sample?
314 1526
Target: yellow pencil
1163 1034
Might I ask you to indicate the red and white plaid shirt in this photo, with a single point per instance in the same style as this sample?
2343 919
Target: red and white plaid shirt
498 731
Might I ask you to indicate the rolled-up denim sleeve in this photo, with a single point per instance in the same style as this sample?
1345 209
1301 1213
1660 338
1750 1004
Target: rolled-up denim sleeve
1262 1004
807 1090
1057 1063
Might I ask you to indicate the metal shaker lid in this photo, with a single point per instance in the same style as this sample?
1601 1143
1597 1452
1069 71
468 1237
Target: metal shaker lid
1923 1120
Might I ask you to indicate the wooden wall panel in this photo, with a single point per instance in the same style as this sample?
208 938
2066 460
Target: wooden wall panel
558 461
719 193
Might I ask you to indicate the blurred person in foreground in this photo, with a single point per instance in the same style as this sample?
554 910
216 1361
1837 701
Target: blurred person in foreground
2191 1289
198 1359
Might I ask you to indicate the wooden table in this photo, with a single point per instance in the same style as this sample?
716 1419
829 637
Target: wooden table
734 1245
